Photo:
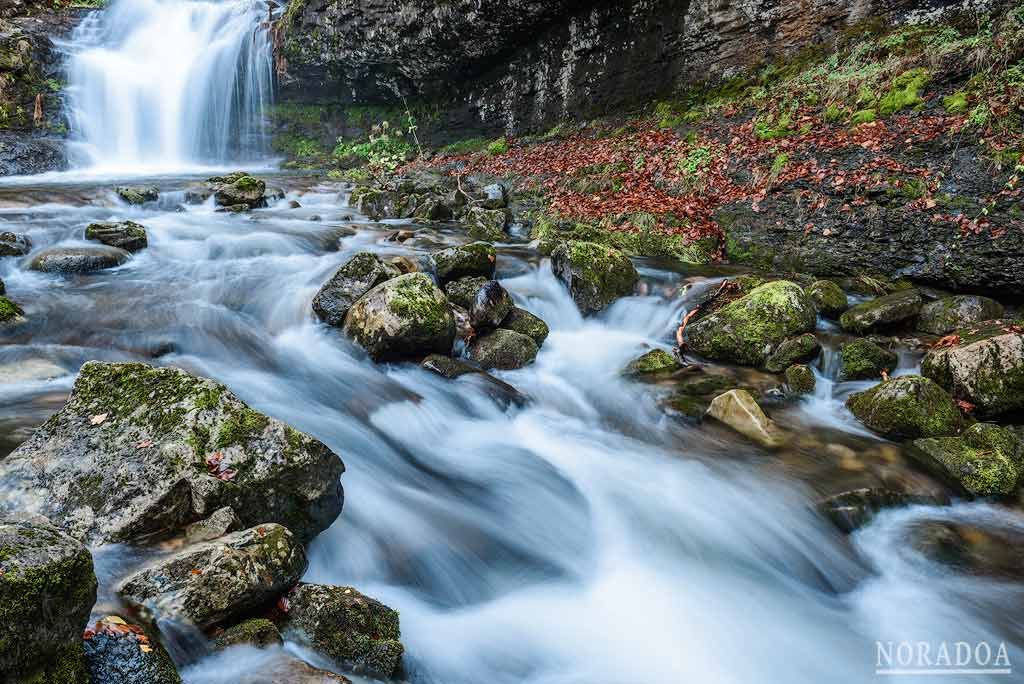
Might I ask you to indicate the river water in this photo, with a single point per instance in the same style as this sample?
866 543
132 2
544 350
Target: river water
585 537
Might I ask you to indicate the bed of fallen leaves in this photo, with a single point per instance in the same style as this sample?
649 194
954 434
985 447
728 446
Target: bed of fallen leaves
114 626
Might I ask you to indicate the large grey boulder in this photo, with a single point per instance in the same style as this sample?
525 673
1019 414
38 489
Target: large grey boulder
953 313
138 452
47 588
355 278
69 260
595 275
503 349
882 313
474 259
210 583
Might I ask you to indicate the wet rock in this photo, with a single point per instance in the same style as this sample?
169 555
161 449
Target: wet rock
503 350
463 291
907 407
273 195
47 588
238 189
946 315
402 318
487 224
126 235
354 630
138 452
138 194
121 653
985 551
378 204
258 632
986 368
800 379
10 313
355 278
596 275
986 460
882 313
432 209
490 306
294 204
856 508
210 583
69 260
494 196
654 362
865 360
286 670
220 522
738 410
14 244
453 369
799 349
474 259
829 299
522 321
749 329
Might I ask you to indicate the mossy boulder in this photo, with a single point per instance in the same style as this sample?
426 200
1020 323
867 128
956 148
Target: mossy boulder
829 299
14 244
115 655
596 275
210 583
799 349
739 410
138 194
864 360
907 407
526 323
47 588
258 632
487 224
354 630
10 313
474 259
654 362
491 304
139 452
126 235
883 312
352 280
238 189
503 350
986 460
463 291
986 368
750 329
946 315
405 317
800 379
74 260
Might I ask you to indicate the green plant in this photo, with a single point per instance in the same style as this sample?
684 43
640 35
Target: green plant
955 103
497 147
905 91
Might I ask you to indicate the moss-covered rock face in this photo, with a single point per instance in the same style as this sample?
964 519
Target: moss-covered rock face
47 588
799 349
139 451
239 189
126 235
487 224
986 460
10 313
406 317
138 194
463 291
116 657
503 350
236 573
943 316
747 331
882 313
645 239
985 369
355 278
68 260
596 275
654 362
475 259
865 360
522 321
800 379
354 630
907 407
829 299
258 632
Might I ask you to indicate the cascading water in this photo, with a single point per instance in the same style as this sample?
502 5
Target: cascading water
170 84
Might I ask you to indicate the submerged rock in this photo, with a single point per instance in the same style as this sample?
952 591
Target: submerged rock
68 260
404 317
503 350
354 630
139 451
856 508
986 368
654 362
474 259
47 588
829 299
14 244
800 379
907 407
865 360
749 329
490 306
882 313
596 275
210 583
738 410
946 315
980 550
524 322
122 653
138 194
126 235
799 349
355 278
453 369
986 460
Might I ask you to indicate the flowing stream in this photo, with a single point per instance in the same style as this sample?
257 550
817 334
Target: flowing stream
586 537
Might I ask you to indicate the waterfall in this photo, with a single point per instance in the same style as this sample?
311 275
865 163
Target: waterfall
170 84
